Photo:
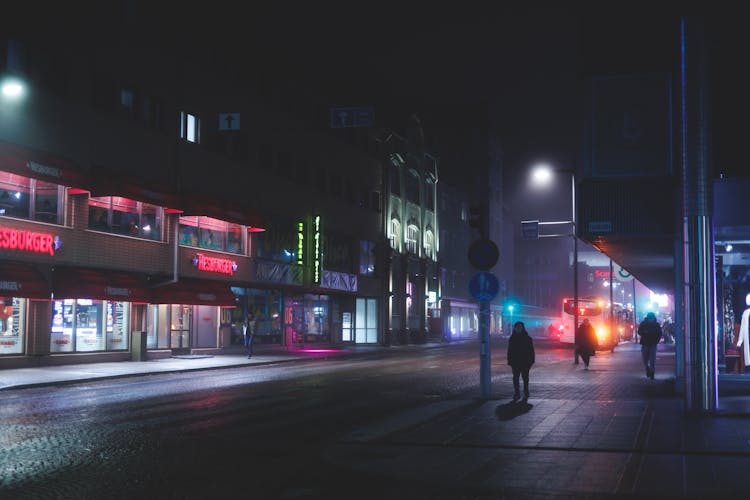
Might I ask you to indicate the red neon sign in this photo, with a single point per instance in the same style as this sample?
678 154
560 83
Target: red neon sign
26 241
214 264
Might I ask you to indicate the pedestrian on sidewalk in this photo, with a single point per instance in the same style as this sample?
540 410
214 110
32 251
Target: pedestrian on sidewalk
249 334
650 333
586 342
520 358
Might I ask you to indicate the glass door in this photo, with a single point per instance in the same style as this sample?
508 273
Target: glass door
180 321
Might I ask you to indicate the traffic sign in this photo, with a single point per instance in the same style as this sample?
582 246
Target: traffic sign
483 254
484 286
352 117
621 274
229 121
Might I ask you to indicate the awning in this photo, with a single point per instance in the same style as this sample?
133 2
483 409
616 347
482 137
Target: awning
194 204
40 165
85 283
196 292
106 182
18 279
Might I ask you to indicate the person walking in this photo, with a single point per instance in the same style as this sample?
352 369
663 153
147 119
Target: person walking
249 334
586 343
520 358
650 332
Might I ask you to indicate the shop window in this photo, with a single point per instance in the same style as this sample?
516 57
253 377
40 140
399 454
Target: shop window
12 325
85 325
118 215
32 199
211 234
366 322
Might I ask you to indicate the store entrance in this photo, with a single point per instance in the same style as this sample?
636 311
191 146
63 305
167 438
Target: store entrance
179 333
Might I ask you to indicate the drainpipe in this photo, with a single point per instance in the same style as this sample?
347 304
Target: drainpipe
175 254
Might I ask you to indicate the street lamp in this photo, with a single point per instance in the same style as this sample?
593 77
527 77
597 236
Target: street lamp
542 173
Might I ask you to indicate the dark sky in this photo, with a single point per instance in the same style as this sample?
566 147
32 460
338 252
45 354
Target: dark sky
444 60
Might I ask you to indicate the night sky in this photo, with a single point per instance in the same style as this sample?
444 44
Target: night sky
444 61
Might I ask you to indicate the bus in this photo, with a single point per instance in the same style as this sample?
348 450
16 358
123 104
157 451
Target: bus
597 312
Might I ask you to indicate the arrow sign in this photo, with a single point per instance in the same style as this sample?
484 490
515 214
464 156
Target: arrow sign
229 121
484 286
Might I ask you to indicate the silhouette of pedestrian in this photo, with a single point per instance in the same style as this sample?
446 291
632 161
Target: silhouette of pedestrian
249 334
650 333
586 342
520 358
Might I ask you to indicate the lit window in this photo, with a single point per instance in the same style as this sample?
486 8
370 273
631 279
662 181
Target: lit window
114 214
395 232
190 127
412 235
26 198
211 234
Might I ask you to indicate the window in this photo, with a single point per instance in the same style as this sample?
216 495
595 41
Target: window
211 234
412 236
367 258
366 322
429 194
127 100
114 214
85 325
395 180
394 235
429 244
190 127
26 198
412 187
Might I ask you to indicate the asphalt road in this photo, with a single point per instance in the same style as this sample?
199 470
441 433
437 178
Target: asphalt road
250 432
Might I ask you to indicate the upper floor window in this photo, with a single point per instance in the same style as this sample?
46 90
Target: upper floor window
33 199
429 194
394 236
211 234
429 244
190 127
412 236
412 186
367 258
118 215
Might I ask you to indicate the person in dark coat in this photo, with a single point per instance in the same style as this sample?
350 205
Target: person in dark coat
650 332
520 358
586 342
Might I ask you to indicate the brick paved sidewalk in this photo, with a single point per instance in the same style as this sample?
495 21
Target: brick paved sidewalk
606 432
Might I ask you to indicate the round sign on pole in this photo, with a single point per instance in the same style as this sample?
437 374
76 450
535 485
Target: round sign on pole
621 274
484 286
483 254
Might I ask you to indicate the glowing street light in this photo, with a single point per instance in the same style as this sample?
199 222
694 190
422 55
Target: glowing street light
12 88
542 174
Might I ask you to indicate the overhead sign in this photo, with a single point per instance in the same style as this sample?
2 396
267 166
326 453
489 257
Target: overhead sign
483 254
229 121
621 274
530 229
352 117
603 226
484 286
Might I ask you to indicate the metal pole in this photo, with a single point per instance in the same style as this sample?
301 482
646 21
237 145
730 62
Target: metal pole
575 260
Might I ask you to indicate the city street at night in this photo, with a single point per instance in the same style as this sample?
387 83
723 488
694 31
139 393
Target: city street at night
401 422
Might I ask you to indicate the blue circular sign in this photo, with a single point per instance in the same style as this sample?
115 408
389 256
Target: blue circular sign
484 286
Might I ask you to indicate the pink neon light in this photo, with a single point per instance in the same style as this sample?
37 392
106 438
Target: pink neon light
318 350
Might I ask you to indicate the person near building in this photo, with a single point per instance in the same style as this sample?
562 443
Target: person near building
650 332
249 334
586 342
520 358
743 340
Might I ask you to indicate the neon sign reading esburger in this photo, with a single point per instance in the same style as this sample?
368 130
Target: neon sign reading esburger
27 241
214 264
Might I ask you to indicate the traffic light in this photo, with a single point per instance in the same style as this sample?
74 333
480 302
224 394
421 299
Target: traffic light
477 218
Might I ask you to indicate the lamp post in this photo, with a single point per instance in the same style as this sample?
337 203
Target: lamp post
542 173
